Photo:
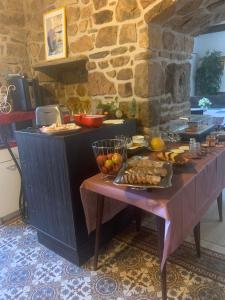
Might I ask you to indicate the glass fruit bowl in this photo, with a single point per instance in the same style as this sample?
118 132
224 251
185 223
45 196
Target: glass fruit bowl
110 154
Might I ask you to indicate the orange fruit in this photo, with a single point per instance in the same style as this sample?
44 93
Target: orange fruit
108 164
117 158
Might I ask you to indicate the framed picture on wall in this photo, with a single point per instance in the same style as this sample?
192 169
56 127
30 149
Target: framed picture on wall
55 34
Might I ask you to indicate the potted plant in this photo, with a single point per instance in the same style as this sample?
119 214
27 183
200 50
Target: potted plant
110 109
204 103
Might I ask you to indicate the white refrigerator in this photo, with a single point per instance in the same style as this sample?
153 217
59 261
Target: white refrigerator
9 185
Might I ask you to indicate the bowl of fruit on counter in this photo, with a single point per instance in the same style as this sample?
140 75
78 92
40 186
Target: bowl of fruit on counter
110 154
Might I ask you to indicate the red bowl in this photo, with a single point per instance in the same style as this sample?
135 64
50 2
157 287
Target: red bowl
89 120
78 119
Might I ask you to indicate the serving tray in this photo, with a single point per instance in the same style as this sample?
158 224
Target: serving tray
166 181
56 130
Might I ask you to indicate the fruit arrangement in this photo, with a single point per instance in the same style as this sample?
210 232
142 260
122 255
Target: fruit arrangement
110 164
109 155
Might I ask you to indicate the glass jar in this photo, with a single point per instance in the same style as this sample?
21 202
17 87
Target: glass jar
211 140
194 148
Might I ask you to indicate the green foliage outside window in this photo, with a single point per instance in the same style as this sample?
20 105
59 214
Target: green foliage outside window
209 74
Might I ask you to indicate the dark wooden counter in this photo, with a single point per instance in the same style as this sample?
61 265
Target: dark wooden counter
53 168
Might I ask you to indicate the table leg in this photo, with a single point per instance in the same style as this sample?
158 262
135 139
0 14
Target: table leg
197 239
220 206
138 215
160 223
99 214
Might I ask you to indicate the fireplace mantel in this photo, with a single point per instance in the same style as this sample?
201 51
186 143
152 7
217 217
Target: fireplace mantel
69 70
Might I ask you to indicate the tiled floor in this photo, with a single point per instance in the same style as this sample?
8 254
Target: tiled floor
29 271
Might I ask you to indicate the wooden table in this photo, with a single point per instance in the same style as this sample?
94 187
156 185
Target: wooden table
178 209
160 225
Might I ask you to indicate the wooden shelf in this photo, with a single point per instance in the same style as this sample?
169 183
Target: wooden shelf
66 64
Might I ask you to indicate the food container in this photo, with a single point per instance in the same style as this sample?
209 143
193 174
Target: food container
110 155
89 120
211 140
195 150
138 139
141 172
198 123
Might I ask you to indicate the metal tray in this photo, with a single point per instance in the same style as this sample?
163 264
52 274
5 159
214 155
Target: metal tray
58 131
166 182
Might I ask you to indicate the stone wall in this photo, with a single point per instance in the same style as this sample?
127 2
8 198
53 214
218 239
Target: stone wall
112 34
135 48
13 53
168 74
123 54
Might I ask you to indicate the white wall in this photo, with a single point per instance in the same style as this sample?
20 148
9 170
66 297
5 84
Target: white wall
203 43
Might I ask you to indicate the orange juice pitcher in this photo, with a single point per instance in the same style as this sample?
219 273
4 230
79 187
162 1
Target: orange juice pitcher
156 142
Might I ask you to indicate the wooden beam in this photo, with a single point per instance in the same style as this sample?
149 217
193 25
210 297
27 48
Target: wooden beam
216 28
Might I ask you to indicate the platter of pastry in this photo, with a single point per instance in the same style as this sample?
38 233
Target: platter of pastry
142 172
175 157
56 128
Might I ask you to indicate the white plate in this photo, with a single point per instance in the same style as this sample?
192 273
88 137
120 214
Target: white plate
185 148
177 151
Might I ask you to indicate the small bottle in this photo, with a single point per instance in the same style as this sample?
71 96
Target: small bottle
192 147
192 140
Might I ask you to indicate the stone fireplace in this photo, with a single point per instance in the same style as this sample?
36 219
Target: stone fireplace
134 49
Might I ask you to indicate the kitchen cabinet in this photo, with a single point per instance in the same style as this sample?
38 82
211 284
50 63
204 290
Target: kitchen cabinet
9 185
53 168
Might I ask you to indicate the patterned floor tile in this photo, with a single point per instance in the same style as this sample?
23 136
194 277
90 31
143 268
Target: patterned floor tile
128 270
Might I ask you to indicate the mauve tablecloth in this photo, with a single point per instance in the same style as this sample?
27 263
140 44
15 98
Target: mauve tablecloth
16 116
182 206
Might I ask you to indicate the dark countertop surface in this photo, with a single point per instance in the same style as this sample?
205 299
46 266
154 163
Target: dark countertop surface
36 131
